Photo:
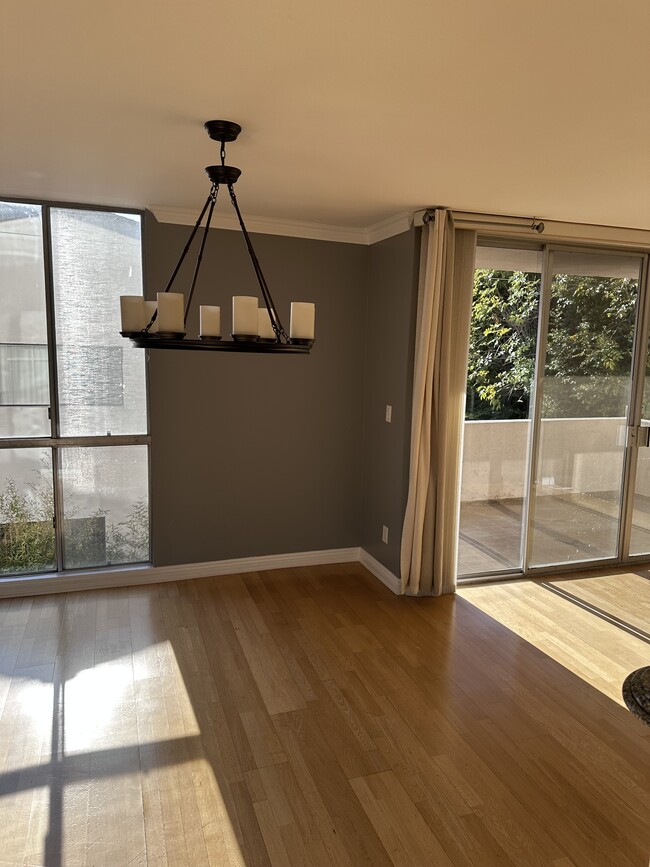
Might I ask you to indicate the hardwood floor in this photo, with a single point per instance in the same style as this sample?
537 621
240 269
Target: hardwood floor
595 624
304 717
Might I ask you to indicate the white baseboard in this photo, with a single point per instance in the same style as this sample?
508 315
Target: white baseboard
130 576
380 571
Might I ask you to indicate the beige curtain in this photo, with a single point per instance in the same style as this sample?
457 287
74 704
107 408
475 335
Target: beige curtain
430 533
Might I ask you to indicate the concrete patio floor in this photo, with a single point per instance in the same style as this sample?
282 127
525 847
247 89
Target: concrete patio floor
568 528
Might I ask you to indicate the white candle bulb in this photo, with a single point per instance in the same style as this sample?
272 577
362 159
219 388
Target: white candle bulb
303 315
171 312
150 308
133 313
244 315
209 321
264 327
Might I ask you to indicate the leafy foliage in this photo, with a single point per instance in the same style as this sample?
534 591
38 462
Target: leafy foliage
502 344
26 529
27 539
128 540
590 342
589 345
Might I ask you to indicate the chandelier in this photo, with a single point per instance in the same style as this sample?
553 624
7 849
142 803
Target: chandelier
162 324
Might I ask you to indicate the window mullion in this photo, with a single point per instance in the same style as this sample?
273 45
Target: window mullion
62 442
51 324
58 506
54 383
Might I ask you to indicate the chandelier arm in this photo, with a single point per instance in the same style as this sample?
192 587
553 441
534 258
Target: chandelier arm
213 201
268 300
190 239
147 327
266 292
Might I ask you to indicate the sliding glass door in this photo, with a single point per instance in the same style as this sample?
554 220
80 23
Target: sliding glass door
584 393
496 446
553 475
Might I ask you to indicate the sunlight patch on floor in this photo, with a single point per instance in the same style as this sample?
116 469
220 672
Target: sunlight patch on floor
594 648
102 703
122 732
34 700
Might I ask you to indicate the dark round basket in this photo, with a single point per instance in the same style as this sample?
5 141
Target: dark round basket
636 693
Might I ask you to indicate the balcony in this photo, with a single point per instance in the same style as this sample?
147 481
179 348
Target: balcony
577 493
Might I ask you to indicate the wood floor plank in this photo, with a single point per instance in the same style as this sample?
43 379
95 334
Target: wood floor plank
627 600
320 773
406 836
276 685
594 649
309 717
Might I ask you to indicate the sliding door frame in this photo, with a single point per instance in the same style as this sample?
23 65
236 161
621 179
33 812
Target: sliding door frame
536 416
630 458
641 339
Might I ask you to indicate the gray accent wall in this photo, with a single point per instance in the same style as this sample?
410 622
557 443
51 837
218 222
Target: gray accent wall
255 455
389 351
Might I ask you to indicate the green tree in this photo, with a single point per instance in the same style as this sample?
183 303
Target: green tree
589 345
503 337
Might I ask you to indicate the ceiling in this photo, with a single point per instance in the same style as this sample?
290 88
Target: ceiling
353 110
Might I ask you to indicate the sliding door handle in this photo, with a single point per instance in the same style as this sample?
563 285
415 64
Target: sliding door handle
638 437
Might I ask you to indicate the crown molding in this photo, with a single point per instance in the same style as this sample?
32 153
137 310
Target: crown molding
266 225
394 225
292 228
633 238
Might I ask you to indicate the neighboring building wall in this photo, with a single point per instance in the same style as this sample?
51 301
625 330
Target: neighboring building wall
255 455
389 350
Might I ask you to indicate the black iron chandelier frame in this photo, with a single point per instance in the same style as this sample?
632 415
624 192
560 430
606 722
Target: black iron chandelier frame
220 175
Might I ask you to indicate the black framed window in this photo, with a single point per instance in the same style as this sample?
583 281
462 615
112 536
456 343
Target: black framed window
74 439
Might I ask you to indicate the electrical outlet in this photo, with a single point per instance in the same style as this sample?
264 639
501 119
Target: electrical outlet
389 412
384 534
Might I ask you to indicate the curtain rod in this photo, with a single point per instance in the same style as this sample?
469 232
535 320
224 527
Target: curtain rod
556 230
531 223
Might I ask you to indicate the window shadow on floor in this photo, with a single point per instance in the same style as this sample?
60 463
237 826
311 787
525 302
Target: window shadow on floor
275 703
